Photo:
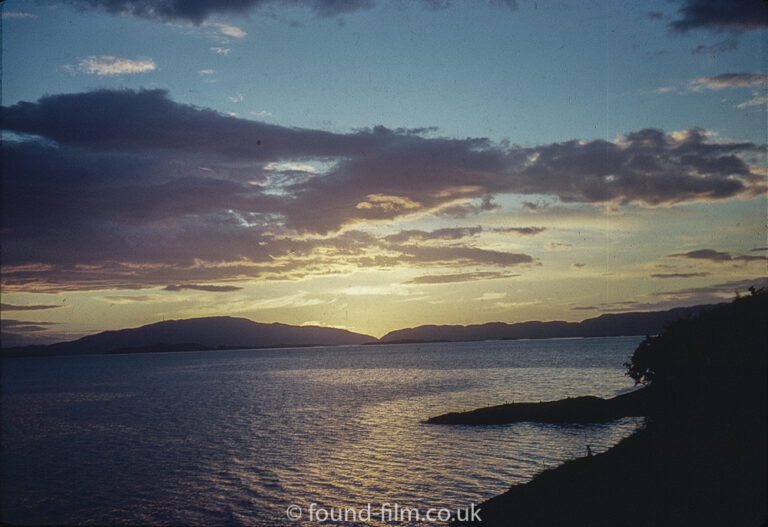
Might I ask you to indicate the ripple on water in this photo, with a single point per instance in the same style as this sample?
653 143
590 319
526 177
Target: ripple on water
233 438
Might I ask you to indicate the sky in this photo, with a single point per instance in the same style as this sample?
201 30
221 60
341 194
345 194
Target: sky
374 165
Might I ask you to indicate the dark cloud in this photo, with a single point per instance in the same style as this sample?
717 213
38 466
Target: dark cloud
22 326
197 11
197 287
13 307
748 258
732 15
579 265
717 256
760 249
439 234
462 210
132 189
585 308
679 275
522 231
704 254
461 256
534 206
460 277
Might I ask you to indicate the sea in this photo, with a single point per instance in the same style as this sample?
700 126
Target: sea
300 436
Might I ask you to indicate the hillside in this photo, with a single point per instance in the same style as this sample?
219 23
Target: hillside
197 334
608 325
700 459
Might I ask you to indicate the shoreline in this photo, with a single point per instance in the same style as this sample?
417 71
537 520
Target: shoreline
662 476
577 410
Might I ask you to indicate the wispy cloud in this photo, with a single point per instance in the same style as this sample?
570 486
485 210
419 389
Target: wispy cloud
704 254
729 80
521 231
717 256
723 289
717 49
199 287
756 81
757 100
24 326
17 15
106 65
227 30
221 51
679 275
460 277
38 307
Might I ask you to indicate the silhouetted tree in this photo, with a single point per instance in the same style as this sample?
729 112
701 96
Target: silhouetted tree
720 353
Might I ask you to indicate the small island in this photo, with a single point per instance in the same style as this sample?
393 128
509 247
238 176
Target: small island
700 459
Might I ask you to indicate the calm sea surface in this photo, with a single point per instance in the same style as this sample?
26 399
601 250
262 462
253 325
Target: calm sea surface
236 437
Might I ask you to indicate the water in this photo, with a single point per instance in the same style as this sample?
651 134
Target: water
235 437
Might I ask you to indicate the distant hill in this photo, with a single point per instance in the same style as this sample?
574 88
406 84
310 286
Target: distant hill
229 332
197 334
609 325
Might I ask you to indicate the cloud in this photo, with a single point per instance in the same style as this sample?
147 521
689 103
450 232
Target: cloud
718 15
757 81
579 265
13 307
133 299
23 326
208 288
106 65
16 15
439 234
221 51
758 100
462 210
198 11
679 275
180 194
460 277
522 231
748 258
729 80
720 289
717 49
718 256
228 30
535 206
704 254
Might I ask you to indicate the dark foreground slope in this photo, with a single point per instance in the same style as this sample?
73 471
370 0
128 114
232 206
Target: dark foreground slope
197 334
701 460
